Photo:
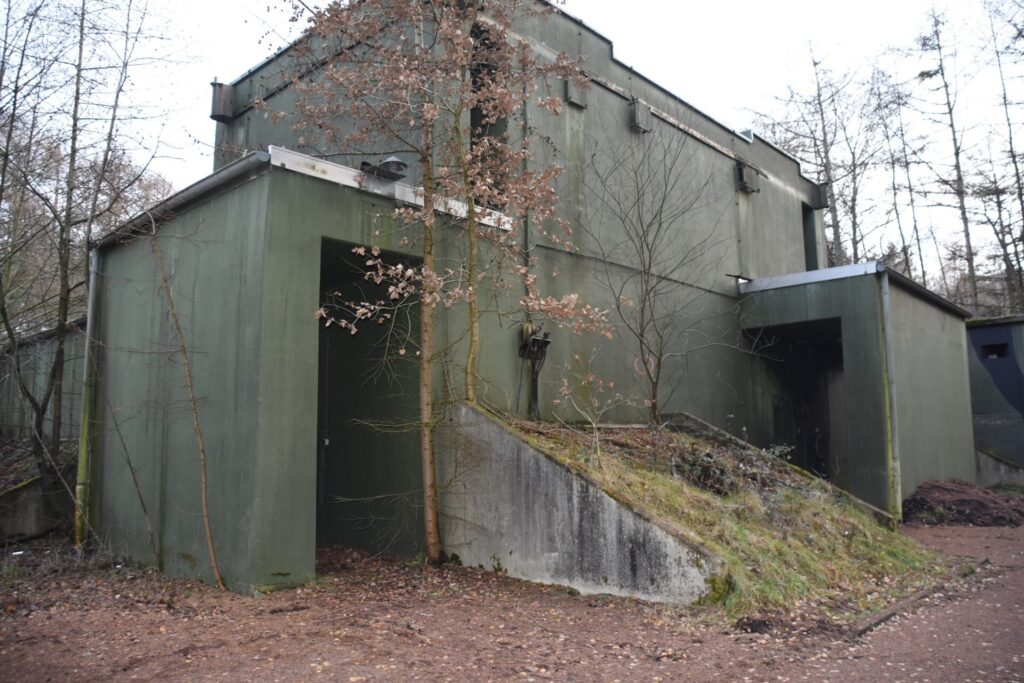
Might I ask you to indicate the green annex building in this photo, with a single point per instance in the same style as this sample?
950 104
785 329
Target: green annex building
860 370
871 367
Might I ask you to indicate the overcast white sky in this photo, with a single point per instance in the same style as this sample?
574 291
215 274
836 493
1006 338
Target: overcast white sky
725 58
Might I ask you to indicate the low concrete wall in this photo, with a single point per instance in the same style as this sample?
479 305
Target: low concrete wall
1001 435
992 471
22 511
507 506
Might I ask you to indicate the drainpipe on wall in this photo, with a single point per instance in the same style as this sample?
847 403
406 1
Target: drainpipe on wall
83 488
892 437
527 254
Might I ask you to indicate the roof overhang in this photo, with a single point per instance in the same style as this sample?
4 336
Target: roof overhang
146 222
854 270
991 322
256 163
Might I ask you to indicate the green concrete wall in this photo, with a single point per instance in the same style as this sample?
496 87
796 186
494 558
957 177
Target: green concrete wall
248 265
857 303
215 260
36 361
986 398
761 234
245 271
301 212
933 405
755 235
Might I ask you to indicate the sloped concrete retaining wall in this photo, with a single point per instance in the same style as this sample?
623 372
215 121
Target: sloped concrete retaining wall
507 506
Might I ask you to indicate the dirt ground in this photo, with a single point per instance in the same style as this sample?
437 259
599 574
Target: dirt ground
372 620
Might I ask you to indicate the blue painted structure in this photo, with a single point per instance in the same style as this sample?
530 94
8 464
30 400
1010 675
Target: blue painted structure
997 388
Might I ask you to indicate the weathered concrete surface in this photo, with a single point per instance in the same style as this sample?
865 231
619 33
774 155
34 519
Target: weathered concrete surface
861 441
992 471
726 231
935 433
24 512
890 438
509 507
997 387
36 355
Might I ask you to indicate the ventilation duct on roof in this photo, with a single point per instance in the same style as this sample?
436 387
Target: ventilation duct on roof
640 118
575 93
747 179
392 169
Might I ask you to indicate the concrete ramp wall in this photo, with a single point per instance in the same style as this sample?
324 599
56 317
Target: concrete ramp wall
509 507
993 470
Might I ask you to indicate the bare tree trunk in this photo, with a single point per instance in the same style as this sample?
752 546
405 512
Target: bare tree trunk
37 406
895 192
942 262
827 166
130 40
472 267
905 151
1018 182
64 247
46 152
431 526
959 190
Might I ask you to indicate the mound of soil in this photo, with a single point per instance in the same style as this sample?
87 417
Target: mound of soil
957 502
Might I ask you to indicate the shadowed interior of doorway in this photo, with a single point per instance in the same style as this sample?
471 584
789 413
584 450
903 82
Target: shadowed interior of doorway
368 482
809 410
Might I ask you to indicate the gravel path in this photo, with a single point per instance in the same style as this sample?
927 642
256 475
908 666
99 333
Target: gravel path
974 633
369 620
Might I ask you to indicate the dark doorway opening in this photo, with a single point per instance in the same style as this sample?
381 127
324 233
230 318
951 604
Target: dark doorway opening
368 477
810 223
809 409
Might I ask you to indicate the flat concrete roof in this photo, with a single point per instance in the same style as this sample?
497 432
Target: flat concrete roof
257 162
1001 320
852 270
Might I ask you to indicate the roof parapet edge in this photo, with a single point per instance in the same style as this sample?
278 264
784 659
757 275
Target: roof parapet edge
849 271
163 210
611 49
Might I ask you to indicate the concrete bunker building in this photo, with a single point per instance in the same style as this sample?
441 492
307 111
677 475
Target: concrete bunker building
861 370
997 398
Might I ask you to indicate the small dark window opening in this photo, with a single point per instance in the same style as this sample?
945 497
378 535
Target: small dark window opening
810 238
993 351
484 125
483 71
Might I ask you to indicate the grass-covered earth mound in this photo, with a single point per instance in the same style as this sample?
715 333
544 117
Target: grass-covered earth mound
786 539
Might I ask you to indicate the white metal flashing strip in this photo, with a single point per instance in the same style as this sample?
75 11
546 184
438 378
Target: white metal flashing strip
811 276
400 192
